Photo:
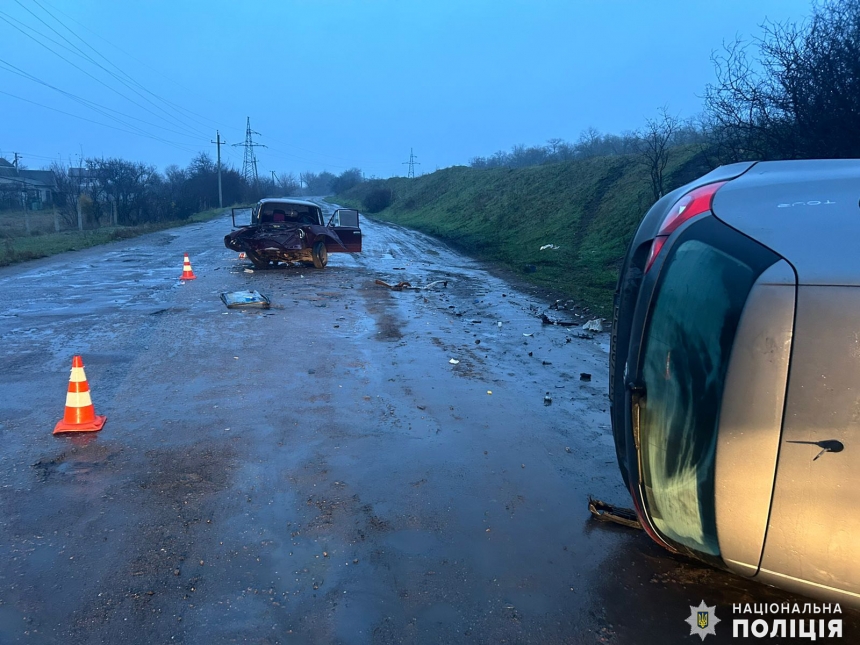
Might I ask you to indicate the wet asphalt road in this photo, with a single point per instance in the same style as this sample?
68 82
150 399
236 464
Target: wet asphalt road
318 472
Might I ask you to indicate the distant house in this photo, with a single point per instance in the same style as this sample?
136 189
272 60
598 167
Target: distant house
36 187
82 177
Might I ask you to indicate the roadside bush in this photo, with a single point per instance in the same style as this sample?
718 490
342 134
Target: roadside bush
377 199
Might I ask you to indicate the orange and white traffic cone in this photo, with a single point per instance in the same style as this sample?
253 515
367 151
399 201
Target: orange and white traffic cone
187 273
80 413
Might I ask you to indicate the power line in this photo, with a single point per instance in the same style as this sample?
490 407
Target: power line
112 127
78 51
120 49
173 119
5 17
181 122
87 103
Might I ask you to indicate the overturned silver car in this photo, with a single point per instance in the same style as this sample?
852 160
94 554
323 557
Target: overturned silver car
293 231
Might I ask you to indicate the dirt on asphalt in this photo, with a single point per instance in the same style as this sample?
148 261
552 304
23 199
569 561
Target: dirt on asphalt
320 471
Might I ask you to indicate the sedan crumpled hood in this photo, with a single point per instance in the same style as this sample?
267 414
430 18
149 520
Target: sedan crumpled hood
282 236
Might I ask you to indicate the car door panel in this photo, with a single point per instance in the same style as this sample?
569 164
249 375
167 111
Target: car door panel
751 418
345 222
812 537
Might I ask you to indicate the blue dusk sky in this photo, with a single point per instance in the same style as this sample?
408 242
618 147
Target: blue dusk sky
334 84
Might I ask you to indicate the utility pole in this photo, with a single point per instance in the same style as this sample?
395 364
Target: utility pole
249 163
218 143
23 194
411 163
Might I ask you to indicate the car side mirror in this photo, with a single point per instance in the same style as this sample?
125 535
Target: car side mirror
244 216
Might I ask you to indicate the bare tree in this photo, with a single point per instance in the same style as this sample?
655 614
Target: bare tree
69 185
794 92
742 116
589 142
554 145
124 186
655 143
287 184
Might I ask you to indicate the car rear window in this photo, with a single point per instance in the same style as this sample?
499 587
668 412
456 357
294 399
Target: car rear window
701 294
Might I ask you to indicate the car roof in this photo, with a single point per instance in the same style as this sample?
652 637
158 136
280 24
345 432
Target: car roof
295 202
807 211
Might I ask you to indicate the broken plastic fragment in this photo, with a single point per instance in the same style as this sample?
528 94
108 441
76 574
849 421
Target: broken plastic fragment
454 361
546 320
594 325
608 513
400 286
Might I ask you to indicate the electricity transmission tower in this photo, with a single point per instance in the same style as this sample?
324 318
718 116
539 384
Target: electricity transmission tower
411 163
249 164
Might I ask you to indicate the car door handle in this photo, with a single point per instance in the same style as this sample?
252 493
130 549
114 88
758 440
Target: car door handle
828 445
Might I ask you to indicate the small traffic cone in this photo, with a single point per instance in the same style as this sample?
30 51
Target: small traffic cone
80 413
187 273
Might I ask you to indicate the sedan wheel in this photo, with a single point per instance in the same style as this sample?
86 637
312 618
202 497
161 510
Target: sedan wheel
258 260
320 254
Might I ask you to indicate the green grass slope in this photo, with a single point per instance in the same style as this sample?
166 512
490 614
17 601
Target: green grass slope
589 208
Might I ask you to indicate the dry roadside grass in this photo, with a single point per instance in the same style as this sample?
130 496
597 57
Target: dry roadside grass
17 246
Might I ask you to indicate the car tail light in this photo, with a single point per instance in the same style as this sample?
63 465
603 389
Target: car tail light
696 202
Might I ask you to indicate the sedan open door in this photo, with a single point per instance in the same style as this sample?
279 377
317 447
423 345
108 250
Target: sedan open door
345 223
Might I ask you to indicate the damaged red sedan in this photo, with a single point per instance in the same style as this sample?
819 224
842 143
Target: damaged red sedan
293 231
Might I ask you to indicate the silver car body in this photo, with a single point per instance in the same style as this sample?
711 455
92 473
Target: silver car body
772 491
787 512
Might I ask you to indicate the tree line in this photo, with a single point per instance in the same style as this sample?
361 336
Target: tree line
128 193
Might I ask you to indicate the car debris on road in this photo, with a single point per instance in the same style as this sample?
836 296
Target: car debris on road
237 299
595 325
400 286
608 513
546 320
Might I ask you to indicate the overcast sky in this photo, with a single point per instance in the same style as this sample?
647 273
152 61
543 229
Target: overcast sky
332 84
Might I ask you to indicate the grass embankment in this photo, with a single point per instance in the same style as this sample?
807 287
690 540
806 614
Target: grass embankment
17 246
588 208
